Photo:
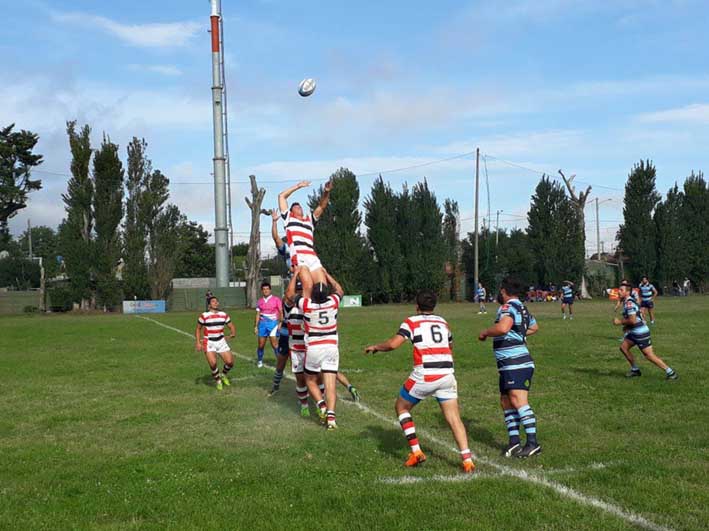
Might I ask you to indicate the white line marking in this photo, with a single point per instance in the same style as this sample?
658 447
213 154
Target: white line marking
576 470
505 470
460 478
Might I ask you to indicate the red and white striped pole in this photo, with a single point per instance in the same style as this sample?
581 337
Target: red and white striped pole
221 230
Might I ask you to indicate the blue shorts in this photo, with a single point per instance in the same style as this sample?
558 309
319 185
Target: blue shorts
283 349
267 328
642 341
567 301
516 379
647 304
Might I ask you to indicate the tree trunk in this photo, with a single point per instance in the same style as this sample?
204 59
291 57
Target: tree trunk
253 258
579 202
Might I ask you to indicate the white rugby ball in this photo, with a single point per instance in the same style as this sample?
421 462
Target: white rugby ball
306 87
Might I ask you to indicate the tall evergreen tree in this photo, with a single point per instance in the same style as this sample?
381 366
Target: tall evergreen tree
384 242
339 244
671 248
17 158
451 238
636 235
135 270
428 267
152 215
197 260
407 230
167 248
107 212
76 231
695 227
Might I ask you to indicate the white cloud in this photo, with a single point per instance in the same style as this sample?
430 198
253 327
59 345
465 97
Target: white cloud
697 113
148 35
165 70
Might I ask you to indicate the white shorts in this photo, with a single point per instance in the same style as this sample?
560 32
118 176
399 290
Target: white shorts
297 361
445 388
311 261
324 358
218 346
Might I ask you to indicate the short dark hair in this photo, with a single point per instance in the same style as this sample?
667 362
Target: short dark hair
512 286
320 293
426 300
265 284
626 284
210 299
293 206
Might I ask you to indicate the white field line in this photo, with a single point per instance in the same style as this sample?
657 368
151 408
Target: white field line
576 470
531 477
437 478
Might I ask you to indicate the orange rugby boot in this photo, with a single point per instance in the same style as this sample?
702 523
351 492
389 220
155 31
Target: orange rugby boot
415 458
468 467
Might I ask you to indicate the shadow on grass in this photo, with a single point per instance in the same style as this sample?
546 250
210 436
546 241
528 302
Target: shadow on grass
207 379
391 441
480 435
591 371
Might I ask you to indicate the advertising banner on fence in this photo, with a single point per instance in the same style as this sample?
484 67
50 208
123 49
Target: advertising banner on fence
352 301
143 306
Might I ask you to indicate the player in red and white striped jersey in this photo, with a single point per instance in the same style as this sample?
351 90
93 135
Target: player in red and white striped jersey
300 229
432 375
322 355
213 344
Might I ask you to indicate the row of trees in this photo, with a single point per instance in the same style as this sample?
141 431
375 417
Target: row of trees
120 225
668 239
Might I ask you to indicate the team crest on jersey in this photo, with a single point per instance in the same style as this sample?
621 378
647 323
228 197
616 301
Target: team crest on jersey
505 307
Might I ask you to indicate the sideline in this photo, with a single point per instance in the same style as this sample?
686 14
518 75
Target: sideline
534 478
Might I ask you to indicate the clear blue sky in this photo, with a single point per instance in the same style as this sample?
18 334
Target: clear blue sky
587 86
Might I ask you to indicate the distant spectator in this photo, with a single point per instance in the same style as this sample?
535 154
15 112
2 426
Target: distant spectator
686 286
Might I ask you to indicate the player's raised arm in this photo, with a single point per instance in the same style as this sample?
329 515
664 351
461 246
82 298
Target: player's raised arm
324 200
274 228
290 290
285 194
498 329
335 285
390 344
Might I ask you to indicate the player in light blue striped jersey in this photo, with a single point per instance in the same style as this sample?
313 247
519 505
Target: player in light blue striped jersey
515 366
480 296
647 294
637 334
567 298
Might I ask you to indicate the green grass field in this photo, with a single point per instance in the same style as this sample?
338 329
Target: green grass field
111 421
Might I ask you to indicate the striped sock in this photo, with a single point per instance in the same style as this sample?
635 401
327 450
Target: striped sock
529 422
277 377
330 416
407 424
302 394
512 423
259 354
227 367
466 455
215 373
321 405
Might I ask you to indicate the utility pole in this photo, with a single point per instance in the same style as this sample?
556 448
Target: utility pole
29 237
220 193
598 234
497 231
476 277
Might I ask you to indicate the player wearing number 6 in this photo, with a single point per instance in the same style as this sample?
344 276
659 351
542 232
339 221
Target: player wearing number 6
432 375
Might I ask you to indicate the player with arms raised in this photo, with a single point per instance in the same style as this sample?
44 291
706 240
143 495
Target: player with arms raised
300 236
433 375
212 322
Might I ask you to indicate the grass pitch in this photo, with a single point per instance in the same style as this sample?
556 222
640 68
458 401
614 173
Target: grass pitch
112 422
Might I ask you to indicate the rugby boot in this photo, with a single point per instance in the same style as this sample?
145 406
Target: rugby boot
529 450
415 458
225 380
220 386
512 450
468 466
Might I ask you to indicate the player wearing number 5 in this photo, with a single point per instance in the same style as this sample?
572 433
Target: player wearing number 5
322 355
433 375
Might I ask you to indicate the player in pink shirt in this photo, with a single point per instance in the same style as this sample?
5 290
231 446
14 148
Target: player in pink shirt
269 315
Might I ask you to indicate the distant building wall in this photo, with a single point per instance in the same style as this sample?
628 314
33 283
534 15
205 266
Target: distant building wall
16 301
193 299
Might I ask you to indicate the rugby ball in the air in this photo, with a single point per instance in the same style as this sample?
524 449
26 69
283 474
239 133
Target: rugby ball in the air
306 87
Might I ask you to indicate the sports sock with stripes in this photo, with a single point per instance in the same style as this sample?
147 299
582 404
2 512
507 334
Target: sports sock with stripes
407 424
466 454
330 416
512 423
321 405
227 367
529 423
277 377
302 394
215 373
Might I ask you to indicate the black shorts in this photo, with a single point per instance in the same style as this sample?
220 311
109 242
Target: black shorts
283 349
567 301
516 379
647 304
